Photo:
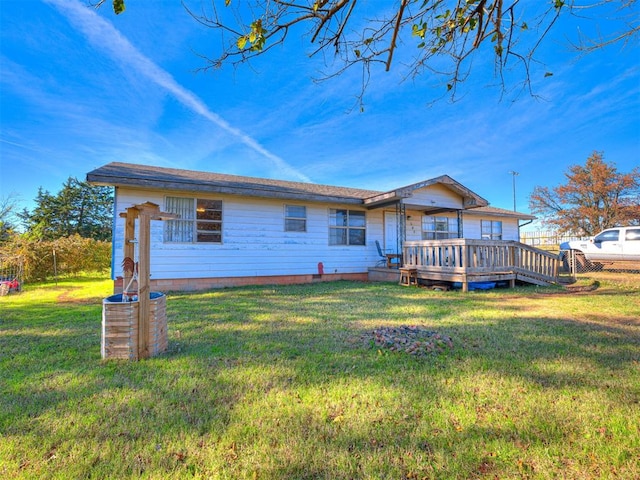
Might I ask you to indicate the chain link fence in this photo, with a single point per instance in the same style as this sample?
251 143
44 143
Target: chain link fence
576 263
11 274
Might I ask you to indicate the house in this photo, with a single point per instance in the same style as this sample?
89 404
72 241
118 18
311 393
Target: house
234 230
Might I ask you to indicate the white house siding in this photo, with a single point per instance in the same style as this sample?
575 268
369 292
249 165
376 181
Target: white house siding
253 241
414 225
472 228
470 224
435 195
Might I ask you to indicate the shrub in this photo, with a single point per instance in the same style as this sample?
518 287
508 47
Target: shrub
63 256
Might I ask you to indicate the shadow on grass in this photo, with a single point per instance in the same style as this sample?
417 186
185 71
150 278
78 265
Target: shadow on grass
236 353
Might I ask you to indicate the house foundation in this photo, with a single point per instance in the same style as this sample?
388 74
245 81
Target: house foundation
196 284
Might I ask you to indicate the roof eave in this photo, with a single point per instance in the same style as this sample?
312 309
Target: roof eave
506 214
212 187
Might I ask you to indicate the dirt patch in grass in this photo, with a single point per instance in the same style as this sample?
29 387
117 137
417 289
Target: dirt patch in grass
410 339
582 288
67 296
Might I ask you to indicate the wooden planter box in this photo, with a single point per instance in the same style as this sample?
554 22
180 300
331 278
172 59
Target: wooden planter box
120 327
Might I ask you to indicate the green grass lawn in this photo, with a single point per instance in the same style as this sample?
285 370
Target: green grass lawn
285 382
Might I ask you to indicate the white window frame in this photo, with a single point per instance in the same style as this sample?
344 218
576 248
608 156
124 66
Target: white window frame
489 229
290 218
196 218
439 228
347 227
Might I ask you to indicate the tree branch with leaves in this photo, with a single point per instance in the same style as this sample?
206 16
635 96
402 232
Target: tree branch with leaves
440 37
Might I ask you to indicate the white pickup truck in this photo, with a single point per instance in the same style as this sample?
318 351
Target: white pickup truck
620 244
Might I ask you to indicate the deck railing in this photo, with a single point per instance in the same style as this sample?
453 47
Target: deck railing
476 257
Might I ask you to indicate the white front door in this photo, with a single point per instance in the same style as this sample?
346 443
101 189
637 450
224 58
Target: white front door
390 232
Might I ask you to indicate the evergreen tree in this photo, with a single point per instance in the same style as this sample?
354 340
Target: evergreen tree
79 208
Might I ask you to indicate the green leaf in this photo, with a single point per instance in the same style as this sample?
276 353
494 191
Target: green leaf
118 6
242 42
419 30
548 74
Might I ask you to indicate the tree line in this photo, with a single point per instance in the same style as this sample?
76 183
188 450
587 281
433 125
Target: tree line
64 233
77 209
77 221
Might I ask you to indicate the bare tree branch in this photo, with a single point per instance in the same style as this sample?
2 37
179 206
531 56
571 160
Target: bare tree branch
447 33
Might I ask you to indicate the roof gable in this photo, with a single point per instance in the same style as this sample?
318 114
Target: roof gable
469 198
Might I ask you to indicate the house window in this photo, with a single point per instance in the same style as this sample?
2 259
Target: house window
347 227
295 218
491 229
439 228
200 220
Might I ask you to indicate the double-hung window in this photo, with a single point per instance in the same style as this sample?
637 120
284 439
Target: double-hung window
439 228
347 227
491 229
295 218
200 220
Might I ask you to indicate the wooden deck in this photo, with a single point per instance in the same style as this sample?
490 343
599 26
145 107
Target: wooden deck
469 260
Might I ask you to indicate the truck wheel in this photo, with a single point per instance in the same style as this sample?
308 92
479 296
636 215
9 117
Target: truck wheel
582 264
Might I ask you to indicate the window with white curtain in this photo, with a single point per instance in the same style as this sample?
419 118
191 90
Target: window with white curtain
200 220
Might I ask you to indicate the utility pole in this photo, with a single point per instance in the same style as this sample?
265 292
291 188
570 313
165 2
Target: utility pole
514 174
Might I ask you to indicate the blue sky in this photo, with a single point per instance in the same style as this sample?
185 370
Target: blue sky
81 88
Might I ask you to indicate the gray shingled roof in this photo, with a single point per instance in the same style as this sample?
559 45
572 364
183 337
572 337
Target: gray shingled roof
144 176
501 212
126 174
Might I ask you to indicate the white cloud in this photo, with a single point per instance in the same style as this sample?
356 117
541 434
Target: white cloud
97 29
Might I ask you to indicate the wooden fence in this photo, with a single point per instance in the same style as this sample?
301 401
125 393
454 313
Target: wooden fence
547 238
